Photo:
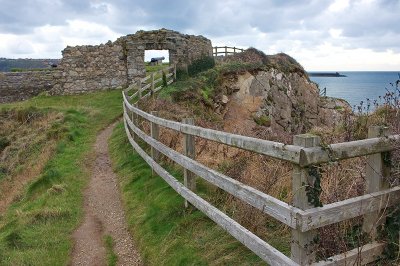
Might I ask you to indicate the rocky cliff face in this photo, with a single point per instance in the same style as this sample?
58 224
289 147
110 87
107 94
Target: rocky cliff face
282 99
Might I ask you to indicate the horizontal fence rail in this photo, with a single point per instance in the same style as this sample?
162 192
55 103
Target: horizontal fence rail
226 50
280 210
273 149
253 242
301 217
346 150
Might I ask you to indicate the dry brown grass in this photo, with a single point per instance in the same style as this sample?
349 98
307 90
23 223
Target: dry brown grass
29 144
340 180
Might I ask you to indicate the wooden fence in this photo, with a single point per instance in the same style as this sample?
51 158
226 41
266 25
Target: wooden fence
301 216
151 83
226 50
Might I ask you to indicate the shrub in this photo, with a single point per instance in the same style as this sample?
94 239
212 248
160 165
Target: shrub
181 74
262 120
164 80
201 65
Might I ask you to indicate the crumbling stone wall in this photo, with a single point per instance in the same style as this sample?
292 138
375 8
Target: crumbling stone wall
106 66
91 68
117 64
183 49
19 86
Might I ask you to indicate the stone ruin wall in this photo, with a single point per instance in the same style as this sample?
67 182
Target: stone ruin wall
183 49
18 86
91 68
107 66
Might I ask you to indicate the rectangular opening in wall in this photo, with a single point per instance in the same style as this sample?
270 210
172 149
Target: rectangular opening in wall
156 59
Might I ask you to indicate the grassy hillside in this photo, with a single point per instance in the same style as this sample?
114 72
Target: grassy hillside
165 229
166 233
57 134
36 225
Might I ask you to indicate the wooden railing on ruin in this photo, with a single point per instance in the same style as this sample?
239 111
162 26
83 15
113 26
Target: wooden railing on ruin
226 50
151 83
306 154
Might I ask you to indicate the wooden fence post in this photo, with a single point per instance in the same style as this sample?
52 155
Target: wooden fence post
189 151
226 51
152 83
377 170
139 84
155 132
302 244
174 72
135 121
234 50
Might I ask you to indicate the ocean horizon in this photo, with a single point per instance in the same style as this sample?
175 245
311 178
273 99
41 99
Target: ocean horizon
358 86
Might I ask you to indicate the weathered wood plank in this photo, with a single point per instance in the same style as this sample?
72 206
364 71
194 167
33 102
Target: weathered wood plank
158 88
358 256
152 83
146 87
377 172
155 133
149 93
139 84
157 80
132 96
273 149
189 178
302 245
253 242
169 75
347 209
277 209
130 87
340 151
170 81
145 78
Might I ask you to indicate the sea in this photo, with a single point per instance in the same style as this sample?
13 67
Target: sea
358 86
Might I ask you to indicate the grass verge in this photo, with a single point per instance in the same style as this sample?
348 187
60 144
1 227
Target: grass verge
165 232
36 228
112 257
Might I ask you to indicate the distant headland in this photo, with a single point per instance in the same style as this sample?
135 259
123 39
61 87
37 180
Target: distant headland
325 74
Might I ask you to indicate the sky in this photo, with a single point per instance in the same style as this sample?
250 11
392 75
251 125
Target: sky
325 35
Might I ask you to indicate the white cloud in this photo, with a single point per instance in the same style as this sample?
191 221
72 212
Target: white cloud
314 32
339 5
331 58
335 33
48 41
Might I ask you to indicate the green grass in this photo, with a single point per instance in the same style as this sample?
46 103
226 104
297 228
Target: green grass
112 257
262 120
155 68
36 229
165 232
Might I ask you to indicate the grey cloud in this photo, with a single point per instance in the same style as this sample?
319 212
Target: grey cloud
20 17
373 26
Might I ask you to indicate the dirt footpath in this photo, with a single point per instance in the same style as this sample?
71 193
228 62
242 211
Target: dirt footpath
104 214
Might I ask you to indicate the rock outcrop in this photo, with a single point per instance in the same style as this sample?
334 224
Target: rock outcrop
284 97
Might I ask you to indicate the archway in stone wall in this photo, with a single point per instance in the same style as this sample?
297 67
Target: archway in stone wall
183 49
151 55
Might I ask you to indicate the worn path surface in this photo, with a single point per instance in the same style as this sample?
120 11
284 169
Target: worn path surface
104 214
